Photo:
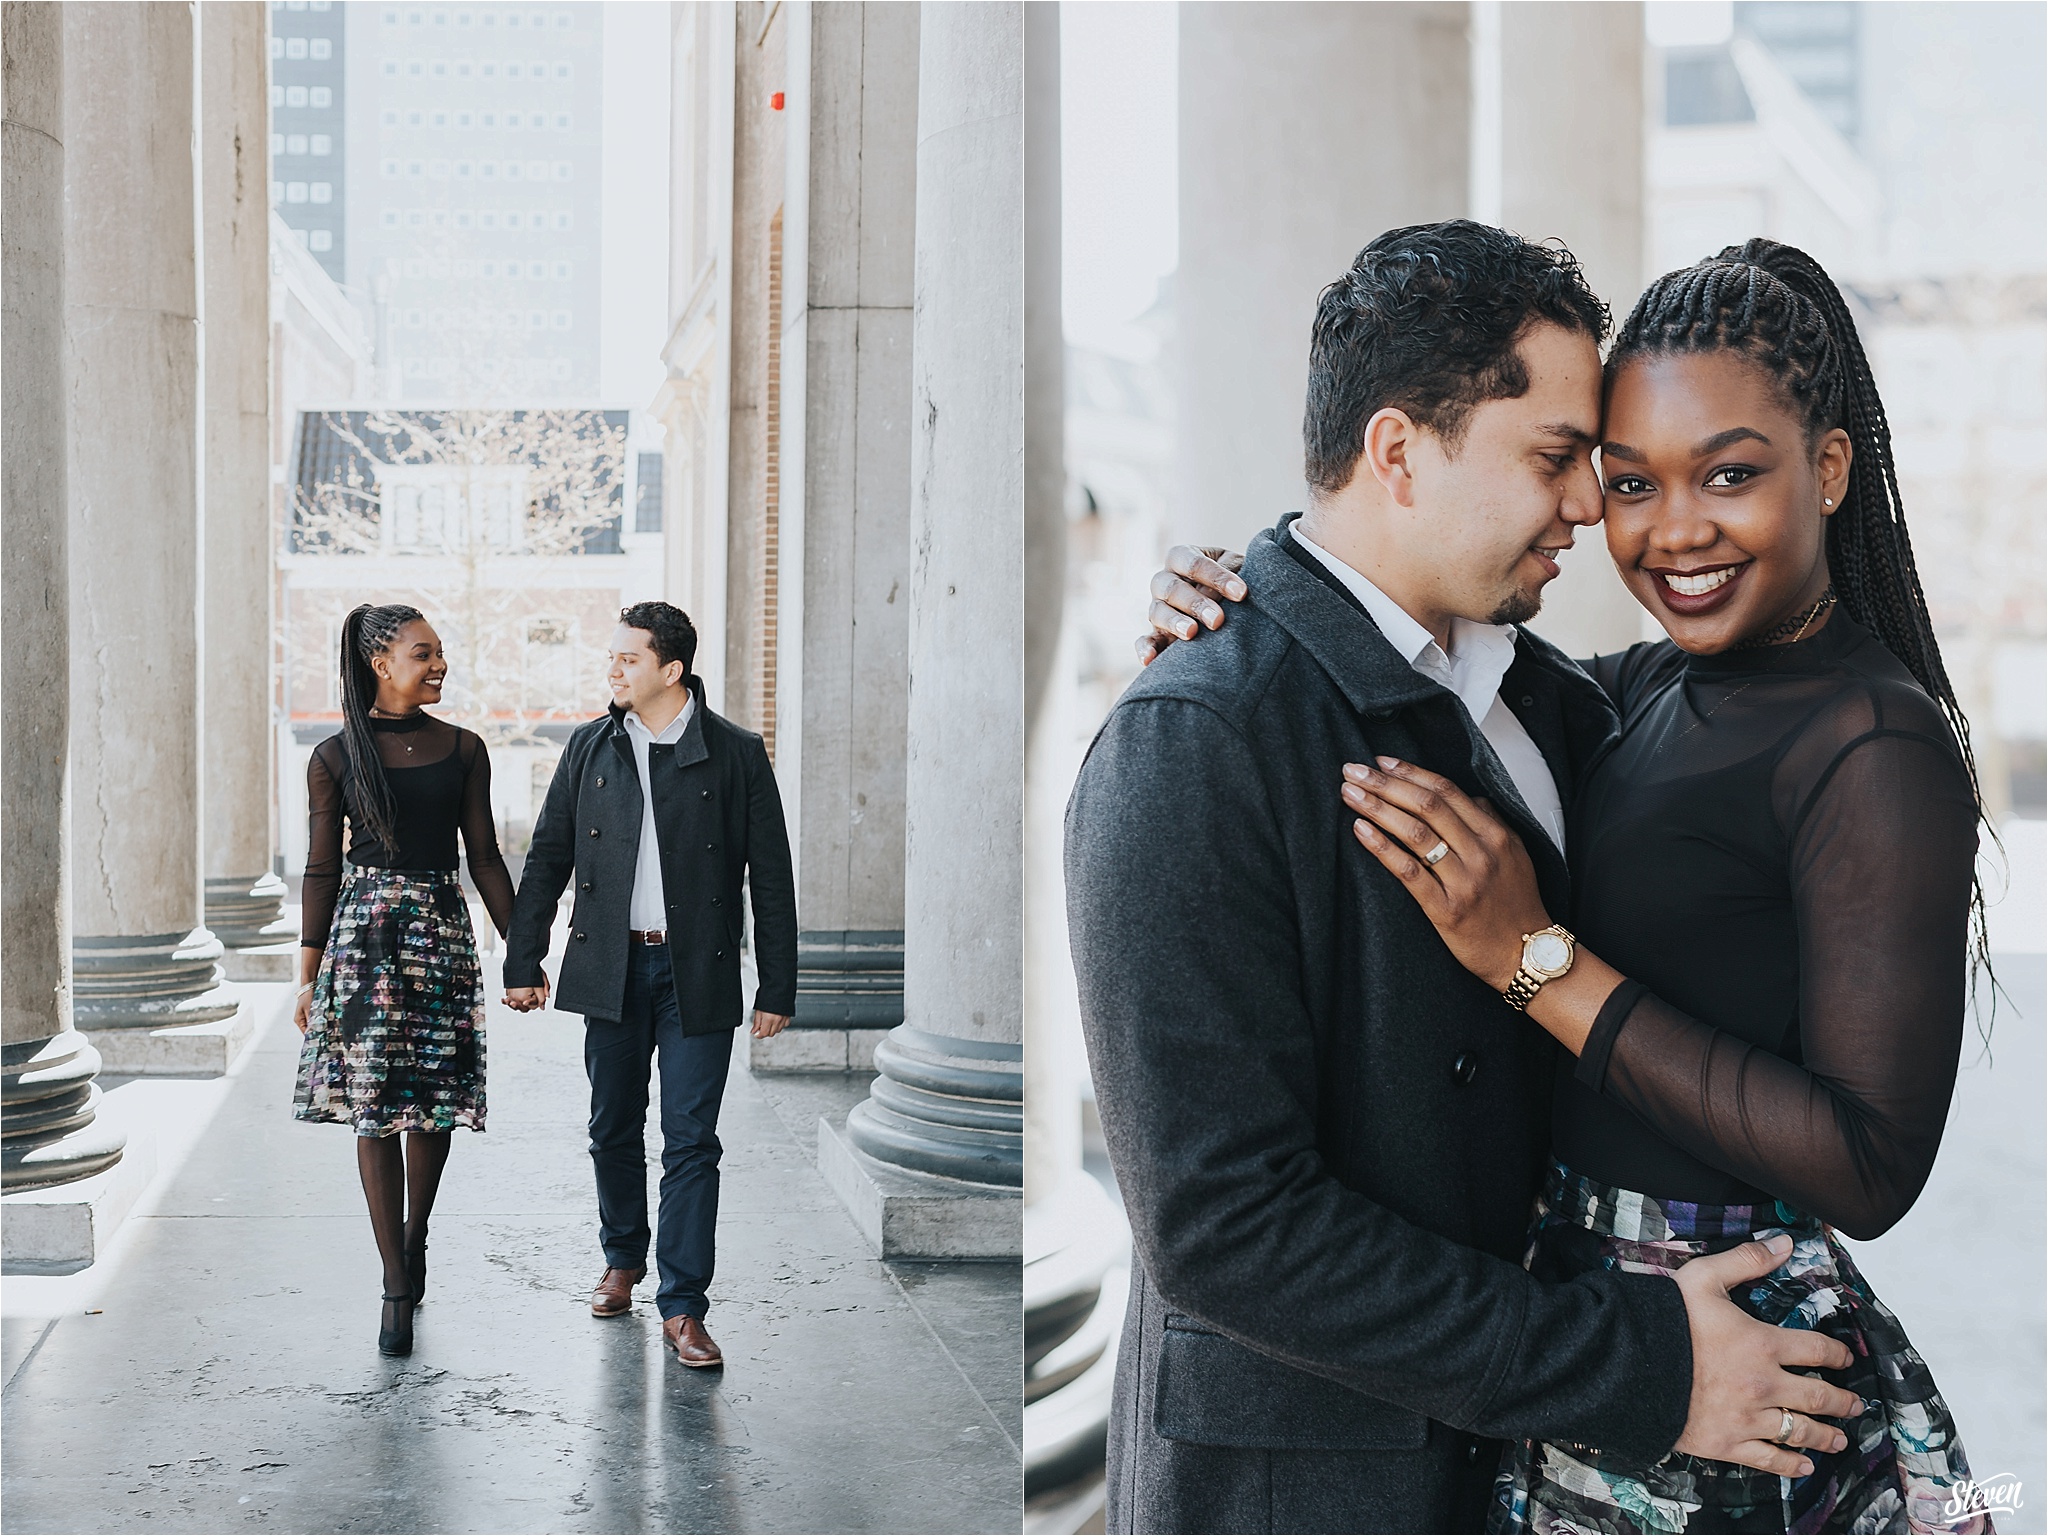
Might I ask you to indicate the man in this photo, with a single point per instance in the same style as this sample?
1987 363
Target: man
662 810
1327 1134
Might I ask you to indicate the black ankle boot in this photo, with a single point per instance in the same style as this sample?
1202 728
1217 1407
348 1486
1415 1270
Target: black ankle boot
394 1337
416 1272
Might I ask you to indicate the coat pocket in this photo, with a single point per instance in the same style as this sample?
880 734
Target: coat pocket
1214 1391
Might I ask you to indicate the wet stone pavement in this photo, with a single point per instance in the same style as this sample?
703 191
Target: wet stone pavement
230 1380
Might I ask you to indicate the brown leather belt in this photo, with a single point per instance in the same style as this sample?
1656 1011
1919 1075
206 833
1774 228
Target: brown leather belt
647 935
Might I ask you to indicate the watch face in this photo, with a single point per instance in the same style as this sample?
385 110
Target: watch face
1547 953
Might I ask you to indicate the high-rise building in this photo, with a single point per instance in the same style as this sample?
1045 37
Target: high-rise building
308 142
473 170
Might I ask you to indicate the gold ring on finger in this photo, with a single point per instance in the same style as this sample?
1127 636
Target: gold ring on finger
1436 854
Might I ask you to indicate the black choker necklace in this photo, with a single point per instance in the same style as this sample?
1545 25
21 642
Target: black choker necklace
1793 628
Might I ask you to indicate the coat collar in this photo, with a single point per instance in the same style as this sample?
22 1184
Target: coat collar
1296 593
690 749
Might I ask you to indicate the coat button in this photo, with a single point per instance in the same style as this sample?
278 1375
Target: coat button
705 794
708 847
718 901
593 831
584 886
1472 1452
581 937
719 955
600 782
1528 702
1465 1068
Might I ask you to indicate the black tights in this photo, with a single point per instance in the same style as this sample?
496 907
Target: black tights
400 1185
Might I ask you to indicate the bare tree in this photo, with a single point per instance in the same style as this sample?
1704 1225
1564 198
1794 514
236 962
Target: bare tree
476 508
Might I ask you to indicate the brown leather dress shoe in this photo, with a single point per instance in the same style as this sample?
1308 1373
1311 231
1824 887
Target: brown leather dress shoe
614 1293
693 1346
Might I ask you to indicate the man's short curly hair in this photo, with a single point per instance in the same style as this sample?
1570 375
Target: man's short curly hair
674 636
1426 321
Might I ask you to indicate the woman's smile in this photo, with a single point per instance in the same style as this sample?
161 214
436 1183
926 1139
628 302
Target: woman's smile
1701 590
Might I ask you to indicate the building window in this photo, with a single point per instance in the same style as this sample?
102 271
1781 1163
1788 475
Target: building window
323 191
537 319
295 143
294 48
562 319
323 239
416 319
561 271
277 96
462 68
564 169
563 220
391 218
462 120
388 167
320 47
322 143
321 5
391 69
490 119
295 95
511 170
462 220
512 71
440 69
647 495
463 169
487 69
562 121
295 191
559 369
391 18
414 119
277 143
277 191
563 71
536 170
414 68
277 47
389 117
487 220
415 219
440 119
415 168
438 169
563 21
487 170
323 96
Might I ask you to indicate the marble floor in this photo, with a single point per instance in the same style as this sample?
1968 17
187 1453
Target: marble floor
222 1375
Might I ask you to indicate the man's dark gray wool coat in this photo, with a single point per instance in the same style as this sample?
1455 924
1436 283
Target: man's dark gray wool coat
718 817
1327 1133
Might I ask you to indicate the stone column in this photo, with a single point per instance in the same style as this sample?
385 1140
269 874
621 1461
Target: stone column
244 897
1305 130
47 1091
944 1123
142 956
858 201
1557 153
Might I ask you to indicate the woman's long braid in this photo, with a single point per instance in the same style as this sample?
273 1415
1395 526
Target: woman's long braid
368 632
1777 305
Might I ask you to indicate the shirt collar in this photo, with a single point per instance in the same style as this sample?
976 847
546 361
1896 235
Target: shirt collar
672 732
1480 654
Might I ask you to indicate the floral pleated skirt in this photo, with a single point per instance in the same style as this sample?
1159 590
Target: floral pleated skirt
396 1038
1903 1468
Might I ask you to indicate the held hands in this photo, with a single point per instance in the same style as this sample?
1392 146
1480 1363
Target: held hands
1744 1371
1190 591
1480 892
528 999
768 1025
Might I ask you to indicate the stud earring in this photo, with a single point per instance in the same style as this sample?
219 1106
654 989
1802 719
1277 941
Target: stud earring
1827 501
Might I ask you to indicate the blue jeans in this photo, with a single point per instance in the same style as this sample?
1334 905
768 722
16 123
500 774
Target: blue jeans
618 1057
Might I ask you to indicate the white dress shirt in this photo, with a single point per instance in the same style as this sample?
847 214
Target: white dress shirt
1480 657
649 906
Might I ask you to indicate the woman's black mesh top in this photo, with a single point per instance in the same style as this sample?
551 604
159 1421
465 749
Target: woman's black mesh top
440 781
1778 855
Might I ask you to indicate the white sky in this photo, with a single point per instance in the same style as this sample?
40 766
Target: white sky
1119 202
636 139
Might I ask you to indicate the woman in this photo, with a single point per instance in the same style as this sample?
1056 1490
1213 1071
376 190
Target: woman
391 997
1765 970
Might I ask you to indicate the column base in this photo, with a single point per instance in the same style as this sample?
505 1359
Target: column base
49 1104
945 1106
910 1216
148 981
188 1050
247 911
815 1050
61 1231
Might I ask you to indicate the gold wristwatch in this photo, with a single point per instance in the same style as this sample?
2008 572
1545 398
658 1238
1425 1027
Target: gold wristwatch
1546 955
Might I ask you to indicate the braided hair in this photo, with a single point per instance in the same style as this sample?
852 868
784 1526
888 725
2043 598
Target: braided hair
366 632
1776 305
